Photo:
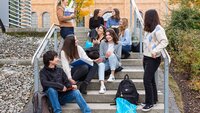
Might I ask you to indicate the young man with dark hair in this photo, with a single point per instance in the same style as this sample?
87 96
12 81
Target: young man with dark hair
57 86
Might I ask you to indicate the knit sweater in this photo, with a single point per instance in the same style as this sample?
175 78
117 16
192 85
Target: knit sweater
154 41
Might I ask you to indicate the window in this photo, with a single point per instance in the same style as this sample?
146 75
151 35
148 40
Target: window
34 20
46 20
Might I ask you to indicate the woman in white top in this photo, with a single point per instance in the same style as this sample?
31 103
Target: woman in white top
154 41
70 52
110 54
125 38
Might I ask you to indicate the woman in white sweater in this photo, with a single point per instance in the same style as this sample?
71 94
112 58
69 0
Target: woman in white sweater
154 41
72 51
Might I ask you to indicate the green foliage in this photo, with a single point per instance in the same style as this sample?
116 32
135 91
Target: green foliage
184 44
185 18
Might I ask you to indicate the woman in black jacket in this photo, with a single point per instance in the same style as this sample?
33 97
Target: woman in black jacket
96 20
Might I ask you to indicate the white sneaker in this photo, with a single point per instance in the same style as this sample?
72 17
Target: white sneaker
111 78
102 90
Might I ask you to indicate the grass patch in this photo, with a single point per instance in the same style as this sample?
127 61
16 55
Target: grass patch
177 93
27 34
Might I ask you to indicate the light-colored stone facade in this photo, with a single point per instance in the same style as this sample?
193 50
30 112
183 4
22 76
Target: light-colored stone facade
48 6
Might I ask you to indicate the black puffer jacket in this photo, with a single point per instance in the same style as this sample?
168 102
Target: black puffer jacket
54 78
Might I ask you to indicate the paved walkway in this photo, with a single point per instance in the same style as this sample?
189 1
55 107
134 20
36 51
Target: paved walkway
173 108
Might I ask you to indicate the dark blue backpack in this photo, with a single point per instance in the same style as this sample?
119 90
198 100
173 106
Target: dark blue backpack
127 90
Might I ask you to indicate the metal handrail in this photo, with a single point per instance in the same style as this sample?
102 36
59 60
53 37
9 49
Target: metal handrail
39 51
45 38
164 53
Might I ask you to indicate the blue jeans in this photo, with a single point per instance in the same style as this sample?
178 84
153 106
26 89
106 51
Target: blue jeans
66 31
57 99
126 49
112 63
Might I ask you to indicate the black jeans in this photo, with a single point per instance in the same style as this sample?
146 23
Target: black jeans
66 31
150 66
84 73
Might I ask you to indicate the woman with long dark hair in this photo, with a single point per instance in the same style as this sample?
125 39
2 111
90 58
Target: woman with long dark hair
93 52
113 21
96 20
70 52
155 40
110 54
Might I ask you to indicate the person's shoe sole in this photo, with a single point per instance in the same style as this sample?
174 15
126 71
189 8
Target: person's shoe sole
147 109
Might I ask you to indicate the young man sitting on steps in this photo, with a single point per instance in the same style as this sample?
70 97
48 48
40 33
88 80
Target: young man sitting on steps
57 86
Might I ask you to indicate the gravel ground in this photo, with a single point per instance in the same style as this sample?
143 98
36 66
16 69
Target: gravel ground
18 47
16 83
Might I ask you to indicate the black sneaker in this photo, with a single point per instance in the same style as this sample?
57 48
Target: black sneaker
147 107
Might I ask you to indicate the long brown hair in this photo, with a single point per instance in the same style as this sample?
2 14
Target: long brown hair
117 14
104 31
151 20
70 48
96 12
113 35
123 27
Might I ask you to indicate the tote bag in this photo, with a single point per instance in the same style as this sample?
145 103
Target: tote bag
123 106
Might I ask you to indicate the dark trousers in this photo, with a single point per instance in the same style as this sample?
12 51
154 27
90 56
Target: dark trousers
150 66
84 73
66 31
126 49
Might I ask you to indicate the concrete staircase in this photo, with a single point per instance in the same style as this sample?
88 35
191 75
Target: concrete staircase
100 103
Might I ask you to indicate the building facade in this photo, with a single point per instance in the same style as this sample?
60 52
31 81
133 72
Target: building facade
16 13
44 13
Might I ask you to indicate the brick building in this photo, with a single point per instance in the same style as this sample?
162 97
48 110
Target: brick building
44 12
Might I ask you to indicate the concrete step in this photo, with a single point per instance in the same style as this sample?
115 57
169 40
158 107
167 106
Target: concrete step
107 108
93 96
134 72
95 85
81 35
131 62
81 29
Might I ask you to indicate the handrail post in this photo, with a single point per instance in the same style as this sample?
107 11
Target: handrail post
36 75
131 17
135 25
140 25
166 85
55 41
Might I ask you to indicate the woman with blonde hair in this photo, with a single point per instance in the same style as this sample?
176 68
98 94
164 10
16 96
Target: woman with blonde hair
125 38
65 17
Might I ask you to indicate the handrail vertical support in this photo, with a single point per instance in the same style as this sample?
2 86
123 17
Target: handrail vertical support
55 41
135 25
36 75
140 39
166 85
131 16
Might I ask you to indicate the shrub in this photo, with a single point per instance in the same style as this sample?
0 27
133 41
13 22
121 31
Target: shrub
185 18
184 43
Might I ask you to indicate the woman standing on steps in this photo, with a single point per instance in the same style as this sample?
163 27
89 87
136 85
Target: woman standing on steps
154 41
70 52
110 54
65 15
65 19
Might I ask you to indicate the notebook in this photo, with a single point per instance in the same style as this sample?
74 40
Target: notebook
81 61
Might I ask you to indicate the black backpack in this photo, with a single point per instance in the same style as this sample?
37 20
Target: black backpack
41 103
127 90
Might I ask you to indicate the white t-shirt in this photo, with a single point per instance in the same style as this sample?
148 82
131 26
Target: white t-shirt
110 47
